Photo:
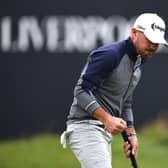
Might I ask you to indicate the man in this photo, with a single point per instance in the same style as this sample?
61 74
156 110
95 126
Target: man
103 94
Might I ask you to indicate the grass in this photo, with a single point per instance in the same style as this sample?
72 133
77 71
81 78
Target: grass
45 151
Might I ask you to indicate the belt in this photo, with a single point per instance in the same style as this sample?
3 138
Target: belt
101 126
94 122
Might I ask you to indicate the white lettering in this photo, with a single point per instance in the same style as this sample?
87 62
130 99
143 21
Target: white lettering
118 27
83 34
29 30
52 32
63 34
6 34
80 34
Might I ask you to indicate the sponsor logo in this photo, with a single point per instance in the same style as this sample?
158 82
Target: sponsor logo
154 26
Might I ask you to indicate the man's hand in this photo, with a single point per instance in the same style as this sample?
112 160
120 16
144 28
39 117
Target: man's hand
114 125
134 143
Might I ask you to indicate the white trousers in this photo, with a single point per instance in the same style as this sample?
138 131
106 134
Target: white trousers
90 144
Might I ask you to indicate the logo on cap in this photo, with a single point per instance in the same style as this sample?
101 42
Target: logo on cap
154 26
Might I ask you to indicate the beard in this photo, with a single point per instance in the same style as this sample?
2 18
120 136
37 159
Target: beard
147 52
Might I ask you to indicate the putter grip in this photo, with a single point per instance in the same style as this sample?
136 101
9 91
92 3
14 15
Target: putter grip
132 157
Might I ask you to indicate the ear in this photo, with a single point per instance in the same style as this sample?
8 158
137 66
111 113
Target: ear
133 33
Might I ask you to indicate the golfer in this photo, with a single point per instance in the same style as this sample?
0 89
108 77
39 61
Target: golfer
104 92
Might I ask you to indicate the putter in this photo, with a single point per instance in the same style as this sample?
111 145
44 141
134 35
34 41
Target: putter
132 157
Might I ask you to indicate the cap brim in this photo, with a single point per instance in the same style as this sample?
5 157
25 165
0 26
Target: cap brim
156 38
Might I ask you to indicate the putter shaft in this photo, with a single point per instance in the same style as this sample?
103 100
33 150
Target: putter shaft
132 157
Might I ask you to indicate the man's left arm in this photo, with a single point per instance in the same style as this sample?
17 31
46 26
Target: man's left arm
127 115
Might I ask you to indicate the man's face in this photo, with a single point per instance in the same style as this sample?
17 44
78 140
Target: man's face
143 46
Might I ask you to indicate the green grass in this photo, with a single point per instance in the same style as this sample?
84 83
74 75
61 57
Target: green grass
45 151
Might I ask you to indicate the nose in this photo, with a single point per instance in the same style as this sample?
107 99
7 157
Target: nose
154 46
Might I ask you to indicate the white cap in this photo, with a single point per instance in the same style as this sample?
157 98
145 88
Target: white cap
152 26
